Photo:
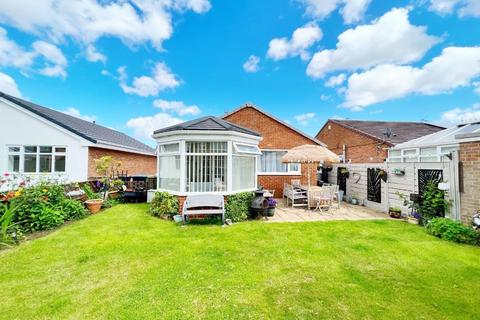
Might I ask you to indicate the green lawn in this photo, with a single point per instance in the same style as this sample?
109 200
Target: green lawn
125 264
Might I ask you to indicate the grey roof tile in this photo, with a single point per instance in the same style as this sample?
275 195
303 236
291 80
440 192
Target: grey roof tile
85 129
402 131
208 123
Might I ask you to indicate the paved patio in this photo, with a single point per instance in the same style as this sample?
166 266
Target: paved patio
346 212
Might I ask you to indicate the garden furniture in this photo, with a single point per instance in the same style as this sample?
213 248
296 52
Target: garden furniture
204 204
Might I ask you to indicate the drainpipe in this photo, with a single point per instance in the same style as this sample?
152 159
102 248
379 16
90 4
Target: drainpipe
344 151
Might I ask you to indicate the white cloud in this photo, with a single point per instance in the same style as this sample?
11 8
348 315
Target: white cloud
458 115
134 22
177 107
92 54
302 39
8 85
304 118
77 114
161 79
454 67
464 7
12 55
335 81
56 61
352 11
143 127
390 39
476 86
325 97
251 65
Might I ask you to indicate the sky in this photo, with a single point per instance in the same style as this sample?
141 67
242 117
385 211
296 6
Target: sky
140 65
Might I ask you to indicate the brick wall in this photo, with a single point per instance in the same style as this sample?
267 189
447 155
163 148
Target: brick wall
469 155
131 162
275 136
359 148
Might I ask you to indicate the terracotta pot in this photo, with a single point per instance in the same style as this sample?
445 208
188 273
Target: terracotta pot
113 194
395 214
94 205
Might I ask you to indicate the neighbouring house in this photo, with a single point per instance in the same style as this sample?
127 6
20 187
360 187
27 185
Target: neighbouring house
459 145
358 141
35 140
278 137
206 155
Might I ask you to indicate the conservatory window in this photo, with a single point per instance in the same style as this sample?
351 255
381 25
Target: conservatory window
394 156
206 166
409 155
246 148
36 159
169 148
243 172
270 162
428 154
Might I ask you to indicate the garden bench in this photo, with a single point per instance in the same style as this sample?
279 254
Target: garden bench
204 204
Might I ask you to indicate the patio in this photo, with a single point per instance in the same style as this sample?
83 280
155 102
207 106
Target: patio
346 212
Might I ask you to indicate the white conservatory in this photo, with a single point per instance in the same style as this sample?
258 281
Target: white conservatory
206 155
433 147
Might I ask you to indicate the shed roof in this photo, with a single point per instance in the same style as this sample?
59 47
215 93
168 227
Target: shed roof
88 130
402 131
450 136
208 123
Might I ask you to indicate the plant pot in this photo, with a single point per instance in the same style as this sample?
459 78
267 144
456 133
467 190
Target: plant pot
395 214
354 201
270 212
113 194
94 205
177 218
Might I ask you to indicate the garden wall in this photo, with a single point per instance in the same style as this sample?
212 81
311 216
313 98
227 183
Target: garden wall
407 183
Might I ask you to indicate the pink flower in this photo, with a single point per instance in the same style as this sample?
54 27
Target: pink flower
6 174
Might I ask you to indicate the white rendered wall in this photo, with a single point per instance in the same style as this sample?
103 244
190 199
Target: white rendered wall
21 127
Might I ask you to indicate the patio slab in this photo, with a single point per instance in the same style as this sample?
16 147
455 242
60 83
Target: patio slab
346 212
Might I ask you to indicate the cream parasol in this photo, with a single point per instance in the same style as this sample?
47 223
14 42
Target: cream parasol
310 154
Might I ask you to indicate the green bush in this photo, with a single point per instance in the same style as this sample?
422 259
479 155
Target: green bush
73 209
164 205
434 204
238 206
453 231
110 203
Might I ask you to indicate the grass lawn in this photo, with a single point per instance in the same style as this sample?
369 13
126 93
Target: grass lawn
124 264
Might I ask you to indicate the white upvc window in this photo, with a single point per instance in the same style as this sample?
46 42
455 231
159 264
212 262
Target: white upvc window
270 163
428 154
169 166
206 166
34 159
246 148
394 156
410 155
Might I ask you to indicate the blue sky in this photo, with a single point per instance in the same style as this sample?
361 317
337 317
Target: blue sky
142 64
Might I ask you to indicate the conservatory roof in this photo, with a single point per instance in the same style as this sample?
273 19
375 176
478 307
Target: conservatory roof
452 135
208 123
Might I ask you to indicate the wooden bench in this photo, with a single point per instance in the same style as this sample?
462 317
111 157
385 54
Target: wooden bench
203 204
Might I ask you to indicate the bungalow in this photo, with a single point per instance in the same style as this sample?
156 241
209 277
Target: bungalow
278 137
358 141
37 140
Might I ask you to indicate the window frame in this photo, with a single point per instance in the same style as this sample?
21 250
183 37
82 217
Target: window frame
289 172
54 154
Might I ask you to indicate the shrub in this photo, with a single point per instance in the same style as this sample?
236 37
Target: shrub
90 193
110 203
450 230
72 209
434 204
238 206
164 205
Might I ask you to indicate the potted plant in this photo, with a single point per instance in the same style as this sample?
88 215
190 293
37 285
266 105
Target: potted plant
414 217
354 199
114 188
272 203
395 212
106 167
94 202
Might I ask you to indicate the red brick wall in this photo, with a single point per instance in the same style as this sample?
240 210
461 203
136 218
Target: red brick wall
131 162
469 155
275 136
359 148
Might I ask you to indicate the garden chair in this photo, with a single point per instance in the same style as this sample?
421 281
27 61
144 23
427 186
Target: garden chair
296 196
323 199
296 183
335 195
